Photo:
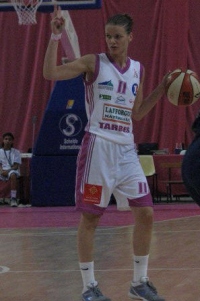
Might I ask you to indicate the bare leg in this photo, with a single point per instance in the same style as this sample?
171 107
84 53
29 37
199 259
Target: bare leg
142 230
141 247
13 181
13 192
86 231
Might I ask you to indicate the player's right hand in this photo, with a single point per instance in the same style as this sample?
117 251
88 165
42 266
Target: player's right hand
57 22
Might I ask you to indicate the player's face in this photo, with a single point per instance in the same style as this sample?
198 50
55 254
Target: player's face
117 39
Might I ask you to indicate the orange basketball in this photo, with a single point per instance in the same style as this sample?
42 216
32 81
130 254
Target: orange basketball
183 88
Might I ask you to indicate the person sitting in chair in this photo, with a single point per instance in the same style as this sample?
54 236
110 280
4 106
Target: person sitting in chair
10 160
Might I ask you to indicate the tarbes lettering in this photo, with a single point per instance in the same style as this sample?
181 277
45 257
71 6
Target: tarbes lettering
114 127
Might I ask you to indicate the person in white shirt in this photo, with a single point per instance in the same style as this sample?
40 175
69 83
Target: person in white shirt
10 160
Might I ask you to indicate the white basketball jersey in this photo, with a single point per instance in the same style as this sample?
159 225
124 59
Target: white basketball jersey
110 98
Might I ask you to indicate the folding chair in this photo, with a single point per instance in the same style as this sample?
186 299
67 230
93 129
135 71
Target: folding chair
171 181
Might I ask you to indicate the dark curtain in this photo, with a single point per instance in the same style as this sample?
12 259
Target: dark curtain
166 37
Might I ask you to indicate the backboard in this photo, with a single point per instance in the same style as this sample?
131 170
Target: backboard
48 5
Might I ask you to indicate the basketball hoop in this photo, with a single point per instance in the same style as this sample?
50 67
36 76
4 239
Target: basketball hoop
26 10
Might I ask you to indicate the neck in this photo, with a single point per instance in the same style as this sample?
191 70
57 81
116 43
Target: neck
119 60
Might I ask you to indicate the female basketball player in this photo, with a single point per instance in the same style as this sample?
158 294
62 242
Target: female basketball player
107 162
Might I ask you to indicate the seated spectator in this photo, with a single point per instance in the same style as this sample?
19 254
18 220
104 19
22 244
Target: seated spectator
10 160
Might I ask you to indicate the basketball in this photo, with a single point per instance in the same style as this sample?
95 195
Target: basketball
183 88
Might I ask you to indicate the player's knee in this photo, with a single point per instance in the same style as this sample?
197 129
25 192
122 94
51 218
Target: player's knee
148 215
90 221
144 215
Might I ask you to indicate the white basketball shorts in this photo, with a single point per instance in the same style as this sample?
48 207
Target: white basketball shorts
105 168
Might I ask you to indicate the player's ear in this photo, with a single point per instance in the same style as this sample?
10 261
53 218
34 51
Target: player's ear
130 37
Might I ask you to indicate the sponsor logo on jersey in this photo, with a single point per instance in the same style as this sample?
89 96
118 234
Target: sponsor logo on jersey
92 193
135 89
120 100
116 113
104 97
106 85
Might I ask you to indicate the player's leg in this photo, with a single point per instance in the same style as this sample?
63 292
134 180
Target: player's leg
86 232
142 234
90 196
135 188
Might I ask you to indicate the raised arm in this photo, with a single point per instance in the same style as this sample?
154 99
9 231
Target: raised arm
52 71
143 106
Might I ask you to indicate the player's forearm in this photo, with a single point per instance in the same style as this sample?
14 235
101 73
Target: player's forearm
148 103
50 61
153 98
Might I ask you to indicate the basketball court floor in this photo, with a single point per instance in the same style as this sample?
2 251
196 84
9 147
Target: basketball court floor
38 257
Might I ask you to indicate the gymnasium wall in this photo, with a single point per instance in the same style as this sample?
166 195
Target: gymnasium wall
166 36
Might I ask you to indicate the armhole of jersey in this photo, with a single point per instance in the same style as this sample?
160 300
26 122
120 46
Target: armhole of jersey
96 72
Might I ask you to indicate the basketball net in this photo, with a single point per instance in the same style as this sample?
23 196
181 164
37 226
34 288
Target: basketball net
26 10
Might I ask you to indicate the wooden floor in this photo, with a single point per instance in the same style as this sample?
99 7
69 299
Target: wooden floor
40 264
